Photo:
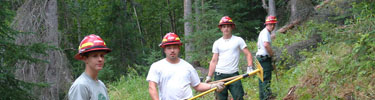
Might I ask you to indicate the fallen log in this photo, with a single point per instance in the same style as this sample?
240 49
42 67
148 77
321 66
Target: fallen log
289 26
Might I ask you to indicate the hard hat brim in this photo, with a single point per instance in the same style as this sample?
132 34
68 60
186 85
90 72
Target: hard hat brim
171 43
233 25
78 56
271 22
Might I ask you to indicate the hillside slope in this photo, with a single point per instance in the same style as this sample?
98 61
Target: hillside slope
341 67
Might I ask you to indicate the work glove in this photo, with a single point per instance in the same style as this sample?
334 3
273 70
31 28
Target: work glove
208 79
250 69
219 85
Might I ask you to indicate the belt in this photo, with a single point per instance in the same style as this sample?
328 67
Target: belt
218 73
261 56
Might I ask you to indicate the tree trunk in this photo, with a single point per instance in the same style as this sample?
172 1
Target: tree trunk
173 14
172 18
264 5
139 29
293 9
197 14
272 8
272 12
188 28
161 27
299 11
40 17
125 13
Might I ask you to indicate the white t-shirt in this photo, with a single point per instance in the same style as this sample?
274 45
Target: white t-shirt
85 88
229 53
264 36
174 80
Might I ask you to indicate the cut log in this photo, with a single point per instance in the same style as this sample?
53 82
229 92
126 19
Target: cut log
321 5
289 26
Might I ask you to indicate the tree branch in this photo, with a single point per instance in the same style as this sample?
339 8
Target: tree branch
264 5
321 5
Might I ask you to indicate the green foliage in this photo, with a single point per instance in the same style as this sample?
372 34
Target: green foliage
207 32
247 15
154 56
12 88
203 46
107 73
129 88
344 59
300 33
131 28
104 18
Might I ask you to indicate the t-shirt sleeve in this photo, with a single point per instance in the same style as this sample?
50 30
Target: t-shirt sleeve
194 77
242 43
264 37
153 74
215 48
78 92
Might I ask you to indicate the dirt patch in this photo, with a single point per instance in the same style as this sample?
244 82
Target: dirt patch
347 93
311 81
372 83
312 84
349 96
291 95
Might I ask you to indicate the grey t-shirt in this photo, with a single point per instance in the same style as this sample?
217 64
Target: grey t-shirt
85 88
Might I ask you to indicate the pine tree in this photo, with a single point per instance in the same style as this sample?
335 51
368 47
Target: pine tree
10 53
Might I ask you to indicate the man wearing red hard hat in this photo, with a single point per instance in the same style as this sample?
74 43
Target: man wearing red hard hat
171 78
226 56
264 56
87 86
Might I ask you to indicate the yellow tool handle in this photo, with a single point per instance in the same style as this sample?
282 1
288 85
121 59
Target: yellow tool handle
258 71
204 93
225 80
227 83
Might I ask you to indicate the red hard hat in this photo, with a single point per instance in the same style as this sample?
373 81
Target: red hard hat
271 20
170 39
91 43
226 20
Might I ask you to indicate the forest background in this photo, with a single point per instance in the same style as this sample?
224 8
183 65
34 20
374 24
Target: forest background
329 44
